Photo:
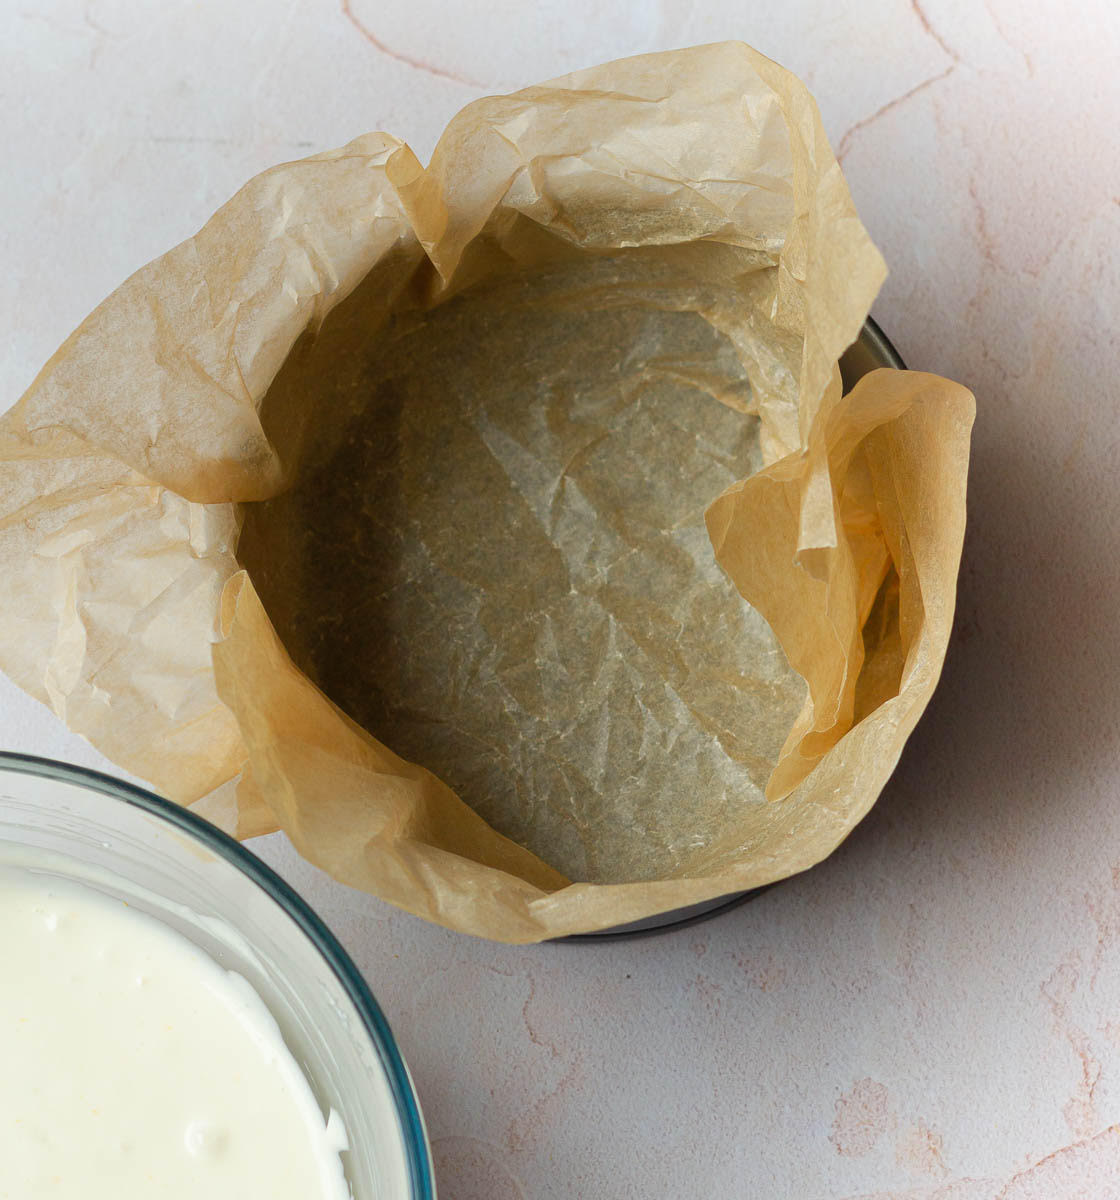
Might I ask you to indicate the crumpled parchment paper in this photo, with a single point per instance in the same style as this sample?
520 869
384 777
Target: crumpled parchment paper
383 510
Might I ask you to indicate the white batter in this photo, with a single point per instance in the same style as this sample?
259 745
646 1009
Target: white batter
132 1065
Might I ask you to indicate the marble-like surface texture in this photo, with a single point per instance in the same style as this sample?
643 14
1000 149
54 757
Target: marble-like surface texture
934 1013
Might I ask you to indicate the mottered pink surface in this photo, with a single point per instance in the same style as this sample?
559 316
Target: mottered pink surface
934 1013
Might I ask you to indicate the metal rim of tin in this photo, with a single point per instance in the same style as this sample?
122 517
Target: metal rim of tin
874 345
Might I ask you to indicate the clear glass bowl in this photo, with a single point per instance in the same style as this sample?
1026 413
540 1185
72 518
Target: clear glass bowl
161 858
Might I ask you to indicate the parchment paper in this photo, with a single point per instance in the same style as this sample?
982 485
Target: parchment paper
394 465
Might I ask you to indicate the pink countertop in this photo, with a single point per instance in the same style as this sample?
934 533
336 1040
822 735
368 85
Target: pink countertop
934 1013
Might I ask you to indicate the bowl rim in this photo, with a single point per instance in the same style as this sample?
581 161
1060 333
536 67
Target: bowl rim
414 1135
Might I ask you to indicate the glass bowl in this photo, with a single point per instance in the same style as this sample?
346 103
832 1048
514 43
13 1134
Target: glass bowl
130 844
